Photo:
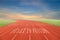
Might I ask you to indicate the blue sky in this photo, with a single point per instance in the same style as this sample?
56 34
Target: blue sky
45 8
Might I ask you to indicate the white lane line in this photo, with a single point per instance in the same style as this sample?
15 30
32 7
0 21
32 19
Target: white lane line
29 37
7 31
14 37
46 37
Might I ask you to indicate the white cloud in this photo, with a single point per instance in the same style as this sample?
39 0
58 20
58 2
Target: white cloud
45 14
32 2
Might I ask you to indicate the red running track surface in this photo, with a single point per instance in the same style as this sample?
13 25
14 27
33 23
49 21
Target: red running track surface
29 30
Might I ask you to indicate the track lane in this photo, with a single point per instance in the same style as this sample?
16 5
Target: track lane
27 30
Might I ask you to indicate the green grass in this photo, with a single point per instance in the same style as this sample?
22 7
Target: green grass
5 22
54 22
49 21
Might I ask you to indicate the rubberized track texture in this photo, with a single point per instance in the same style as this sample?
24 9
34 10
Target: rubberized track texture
29 30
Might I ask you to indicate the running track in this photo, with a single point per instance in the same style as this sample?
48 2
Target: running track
29 30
